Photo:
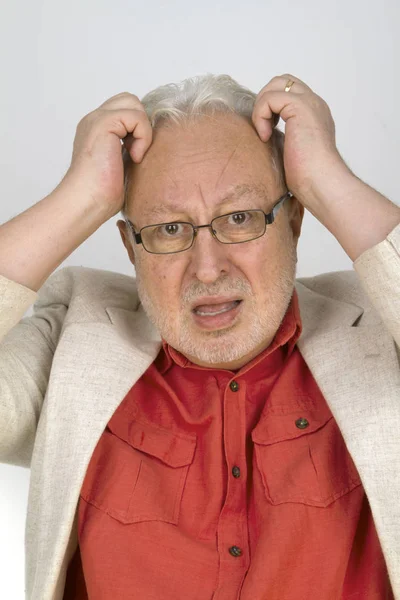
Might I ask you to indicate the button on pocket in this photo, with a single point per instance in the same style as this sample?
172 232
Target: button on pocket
138 471
310 466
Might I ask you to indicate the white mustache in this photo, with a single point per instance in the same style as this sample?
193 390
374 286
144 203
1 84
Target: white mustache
198 290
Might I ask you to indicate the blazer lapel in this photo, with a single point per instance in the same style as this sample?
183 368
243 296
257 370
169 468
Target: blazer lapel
94 367
356 368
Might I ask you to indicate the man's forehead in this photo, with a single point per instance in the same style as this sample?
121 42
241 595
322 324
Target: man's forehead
160 207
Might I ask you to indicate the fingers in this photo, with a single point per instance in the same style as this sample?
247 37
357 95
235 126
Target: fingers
122 100
125 116
273 102
267 110
278 84
134 128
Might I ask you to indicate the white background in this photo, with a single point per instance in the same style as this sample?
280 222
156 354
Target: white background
59 61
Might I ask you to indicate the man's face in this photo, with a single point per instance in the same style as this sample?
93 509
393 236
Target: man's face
218 304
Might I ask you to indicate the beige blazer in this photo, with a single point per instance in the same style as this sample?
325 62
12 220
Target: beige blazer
64 371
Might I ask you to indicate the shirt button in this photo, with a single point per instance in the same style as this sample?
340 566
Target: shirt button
236 472
235 551
302 423
234 386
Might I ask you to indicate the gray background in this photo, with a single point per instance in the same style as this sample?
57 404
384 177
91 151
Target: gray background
59 61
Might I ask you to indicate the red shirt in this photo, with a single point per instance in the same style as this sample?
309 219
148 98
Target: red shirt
212 484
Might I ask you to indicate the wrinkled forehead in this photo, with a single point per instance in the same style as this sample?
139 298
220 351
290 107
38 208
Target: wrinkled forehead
214 158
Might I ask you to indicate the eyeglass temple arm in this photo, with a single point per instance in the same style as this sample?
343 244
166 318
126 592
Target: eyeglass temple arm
137 236
270 218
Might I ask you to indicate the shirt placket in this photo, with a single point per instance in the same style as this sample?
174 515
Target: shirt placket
232 531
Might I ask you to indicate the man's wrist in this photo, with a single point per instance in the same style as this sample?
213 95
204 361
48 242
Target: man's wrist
330 185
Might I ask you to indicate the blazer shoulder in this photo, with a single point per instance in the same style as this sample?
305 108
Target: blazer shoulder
88 291
343 286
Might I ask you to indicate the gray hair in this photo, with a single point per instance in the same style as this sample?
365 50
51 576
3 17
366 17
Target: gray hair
202 95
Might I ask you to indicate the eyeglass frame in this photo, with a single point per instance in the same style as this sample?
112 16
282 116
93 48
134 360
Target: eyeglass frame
269 219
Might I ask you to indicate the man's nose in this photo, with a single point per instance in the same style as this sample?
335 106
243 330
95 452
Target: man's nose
209 256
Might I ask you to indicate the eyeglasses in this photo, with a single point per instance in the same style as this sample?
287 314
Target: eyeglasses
233 228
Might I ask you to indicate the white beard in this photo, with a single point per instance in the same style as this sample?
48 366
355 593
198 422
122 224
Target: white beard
225 345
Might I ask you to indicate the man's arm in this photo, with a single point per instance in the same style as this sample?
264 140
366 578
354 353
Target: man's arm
364 222
357 215
34 243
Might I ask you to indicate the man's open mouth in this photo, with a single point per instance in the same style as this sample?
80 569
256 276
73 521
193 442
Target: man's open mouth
211 310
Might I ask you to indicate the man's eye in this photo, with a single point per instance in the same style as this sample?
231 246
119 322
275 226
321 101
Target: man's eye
239 218
171 229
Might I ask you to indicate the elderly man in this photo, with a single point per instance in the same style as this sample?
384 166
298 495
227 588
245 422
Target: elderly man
214 428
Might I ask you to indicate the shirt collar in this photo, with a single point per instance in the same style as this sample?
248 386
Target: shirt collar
288 333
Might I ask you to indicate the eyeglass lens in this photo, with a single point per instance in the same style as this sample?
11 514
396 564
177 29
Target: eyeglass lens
233 228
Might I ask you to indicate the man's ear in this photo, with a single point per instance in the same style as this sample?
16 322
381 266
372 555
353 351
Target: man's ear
123 230
295 214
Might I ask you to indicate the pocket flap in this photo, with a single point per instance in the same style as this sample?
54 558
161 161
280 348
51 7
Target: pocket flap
275 427
173 448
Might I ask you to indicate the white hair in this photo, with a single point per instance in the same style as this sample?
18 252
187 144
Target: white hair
200 95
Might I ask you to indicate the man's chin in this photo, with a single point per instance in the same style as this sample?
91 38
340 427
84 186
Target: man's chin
216 348
210 334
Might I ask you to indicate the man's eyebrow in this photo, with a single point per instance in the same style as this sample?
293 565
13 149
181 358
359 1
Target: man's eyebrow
244 189
161 211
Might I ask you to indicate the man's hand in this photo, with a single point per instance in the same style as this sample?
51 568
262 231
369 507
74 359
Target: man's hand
310 151
34 243
357 215
97 168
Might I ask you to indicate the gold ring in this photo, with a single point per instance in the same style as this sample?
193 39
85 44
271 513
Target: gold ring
289 86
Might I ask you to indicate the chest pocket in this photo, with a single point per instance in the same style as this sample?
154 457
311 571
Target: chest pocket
138 472
309 465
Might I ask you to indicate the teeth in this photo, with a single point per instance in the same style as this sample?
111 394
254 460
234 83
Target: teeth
219 312
203 314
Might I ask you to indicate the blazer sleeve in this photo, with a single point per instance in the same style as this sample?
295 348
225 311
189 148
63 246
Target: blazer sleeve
27 346
378 269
